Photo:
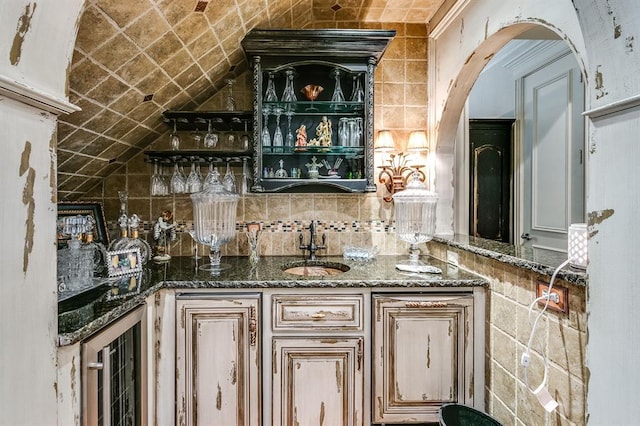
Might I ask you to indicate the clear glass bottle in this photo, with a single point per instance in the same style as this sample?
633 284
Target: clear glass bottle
357 95
136 242
289 94
337 96
343 132
270 94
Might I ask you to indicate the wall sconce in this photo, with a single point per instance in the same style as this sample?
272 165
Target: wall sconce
395 173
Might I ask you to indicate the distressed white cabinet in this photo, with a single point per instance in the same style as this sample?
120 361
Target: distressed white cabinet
318 357
422 355
218 360
318 380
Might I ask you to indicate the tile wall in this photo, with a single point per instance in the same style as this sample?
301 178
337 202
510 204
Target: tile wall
508 328
400 106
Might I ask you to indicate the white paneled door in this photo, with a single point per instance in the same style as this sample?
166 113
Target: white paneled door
553 144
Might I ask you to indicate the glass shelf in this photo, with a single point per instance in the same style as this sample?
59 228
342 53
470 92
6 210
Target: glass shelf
318 107
313 150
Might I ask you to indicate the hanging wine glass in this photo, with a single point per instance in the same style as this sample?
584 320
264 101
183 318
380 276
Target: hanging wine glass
289 94
245 184
290 139
211 138
270 94
156 180
278 141
338 97
266 137
357 95
229 180
175 137
178 180
213 176
245 139
194 180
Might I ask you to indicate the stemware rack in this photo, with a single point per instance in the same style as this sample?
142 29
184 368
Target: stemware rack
222 121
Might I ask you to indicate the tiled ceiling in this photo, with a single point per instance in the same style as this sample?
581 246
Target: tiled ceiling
135 59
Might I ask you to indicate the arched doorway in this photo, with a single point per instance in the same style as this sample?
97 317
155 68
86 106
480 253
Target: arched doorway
448 101
523 134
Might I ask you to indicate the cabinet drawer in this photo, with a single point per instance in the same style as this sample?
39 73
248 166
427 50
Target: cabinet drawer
316 312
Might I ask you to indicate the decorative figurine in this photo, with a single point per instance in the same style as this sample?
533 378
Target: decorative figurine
281 172
313 168
301 137
323 131
164 231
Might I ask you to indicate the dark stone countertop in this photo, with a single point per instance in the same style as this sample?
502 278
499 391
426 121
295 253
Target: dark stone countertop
84 314
537 260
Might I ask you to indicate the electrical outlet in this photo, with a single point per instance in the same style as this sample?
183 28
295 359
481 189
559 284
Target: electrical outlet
452 258
558 300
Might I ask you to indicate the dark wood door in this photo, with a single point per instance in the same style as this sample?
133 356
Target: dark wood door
490 187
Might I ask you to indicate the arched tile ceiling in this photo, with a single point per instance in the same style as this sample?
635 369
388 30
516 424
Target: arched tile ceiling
135 59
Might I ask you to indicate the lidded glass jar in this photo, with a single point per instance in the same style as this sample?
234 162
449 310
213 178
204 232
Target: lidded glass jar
415 212
214 221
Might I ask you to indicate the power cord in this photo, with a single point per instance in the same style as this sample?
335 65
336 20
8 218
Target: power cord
541 392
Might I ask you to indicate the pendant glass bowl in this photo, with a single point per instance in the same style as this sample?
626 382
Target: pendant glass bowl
415 212
214 221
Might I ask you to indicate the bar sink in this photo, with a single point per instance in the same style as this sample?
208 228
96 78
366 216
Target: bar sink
314 268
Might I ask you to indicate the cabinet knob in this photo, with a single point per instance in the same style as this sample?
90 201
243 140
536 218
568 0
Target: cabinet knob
318 316
95 366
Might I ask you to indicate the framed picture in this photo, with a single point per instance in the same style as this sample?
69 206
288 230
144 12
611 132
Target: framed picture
94 210
122 262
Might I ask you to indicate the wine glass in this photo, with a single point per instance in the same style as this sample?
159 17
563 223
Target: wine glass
229 180
266 137
178 180
195 256
278 141
158 184
211 138
175 137
290 139
245 139
194 180
213 176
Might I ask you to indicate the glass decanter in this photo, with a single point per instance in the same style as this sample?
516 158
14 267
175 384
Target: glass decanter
136 242
75 262
289 94
270 94
337 96
357 95
214 220
123 222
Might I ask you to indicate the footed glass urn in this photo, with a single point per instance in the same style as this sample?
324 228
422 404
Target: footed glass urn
214 221
415 211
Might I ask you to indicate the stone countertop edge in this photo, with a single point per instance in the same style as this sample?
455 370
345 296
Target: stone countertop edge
179 273
522 258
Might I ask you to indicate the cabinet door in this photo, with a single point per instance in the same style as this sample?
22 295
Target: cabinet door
218 362
318 381
422 355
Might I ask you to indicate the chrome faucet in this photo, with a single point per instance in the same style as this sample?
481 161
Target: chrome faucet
312 246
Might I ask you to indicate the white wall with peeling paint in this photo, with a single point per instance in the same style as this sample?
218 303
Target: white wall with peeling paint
32 86
602 35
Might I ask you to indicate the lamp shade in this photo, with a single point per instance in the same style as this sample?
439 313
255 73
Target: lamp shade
417 141
384 141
